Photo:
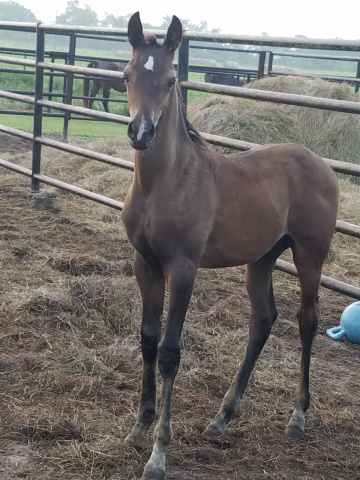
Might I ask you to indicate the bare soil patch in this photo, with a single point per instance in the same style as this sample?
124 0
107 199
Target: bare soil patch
10 144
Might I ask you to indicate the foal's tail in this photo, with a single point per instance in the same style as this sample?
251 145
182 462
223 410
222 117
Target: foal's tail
86 86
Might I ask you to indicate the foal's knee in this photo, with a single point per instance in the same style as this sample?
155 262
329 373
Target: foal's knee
260 325
149 346
169 360
308 321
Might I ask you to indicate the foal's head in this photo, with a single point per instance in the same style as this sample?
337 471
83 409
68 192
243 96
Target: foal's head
150 77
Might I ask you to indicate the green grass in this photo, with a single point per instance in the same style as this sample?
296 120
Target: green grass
77 128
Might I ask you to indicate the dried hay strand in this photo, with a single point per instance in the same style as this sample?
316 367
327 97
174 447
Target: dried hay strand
329 134
45 429
98 458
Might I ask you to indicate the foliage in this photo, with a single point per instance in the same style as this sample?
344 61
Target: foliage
14 12
112 21
188 25
75 15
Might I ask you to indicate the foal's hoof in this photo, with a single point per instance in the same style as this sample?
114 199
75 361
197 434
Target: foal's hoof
133 441
294 432
153 474
212 431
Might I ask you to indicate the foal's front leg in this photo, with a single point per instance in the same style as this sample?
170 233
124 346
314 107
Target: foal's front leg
181 275
94 91
152 286
106 94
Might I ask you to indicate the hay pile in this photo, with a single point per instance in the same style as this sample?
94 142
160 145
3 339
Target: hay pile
70 358
329 134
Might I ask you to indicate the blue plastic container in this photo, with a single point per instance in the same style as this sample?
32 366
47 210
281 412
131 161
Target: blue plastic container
349 324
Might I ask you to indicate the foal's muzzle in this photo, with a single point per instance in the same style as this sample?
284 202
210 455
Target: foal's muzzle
141 133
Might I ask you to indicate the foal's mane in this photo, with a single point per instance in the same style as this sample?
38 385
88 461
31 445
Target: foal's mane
193 134
150 39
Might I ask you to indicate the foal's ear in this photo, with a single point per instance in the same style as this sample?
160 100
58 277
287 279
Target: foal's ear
173 36
135 30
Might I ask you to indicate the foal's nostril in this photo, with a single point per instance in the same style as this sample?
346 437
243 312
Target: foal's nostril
151 133
130 131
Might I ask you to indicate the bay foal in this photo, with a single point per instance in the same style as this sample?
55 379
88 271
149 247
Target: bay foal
191 207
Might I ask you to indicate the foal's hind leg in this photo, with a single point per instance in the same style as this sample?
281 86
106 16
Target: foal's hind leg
309 271
152 287
263 315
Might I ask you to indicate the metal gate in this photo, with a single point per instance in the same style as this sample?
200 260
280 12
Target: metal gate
39 104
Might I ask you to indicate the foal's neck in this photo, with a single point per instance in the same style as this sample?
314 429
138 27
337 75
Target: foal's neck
169 153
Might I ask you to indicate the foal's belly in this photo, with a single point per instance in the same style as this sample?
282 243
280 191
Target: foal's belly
241 246
220 259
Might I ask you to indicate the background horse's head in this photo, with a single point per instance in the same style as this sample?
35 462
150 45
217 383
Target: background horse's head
150 78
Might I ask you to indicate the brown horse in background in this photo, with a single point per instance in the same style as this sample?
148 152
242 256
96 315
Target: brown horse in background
105 83
190 207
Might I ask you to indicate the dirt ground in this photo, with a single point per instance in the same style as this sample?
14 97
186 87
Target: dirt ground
70 359
11 144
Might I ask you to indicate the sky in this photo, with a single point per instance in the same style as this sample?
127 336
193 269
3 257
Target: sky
286 18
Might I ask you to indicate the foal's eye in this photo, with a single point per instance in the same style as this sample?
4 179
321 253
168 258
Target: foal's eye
171 82
126 78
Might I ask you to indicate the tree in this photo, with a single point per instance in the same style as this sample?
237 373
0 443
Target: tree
187 25
14 12
75 15
115 22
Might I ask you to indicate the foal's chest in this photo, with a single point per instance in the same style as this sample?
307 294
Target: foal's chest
164 222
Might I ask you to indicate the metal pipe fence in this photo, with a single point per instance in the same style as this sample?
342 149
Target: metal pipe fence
40 104
276 97
351 80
